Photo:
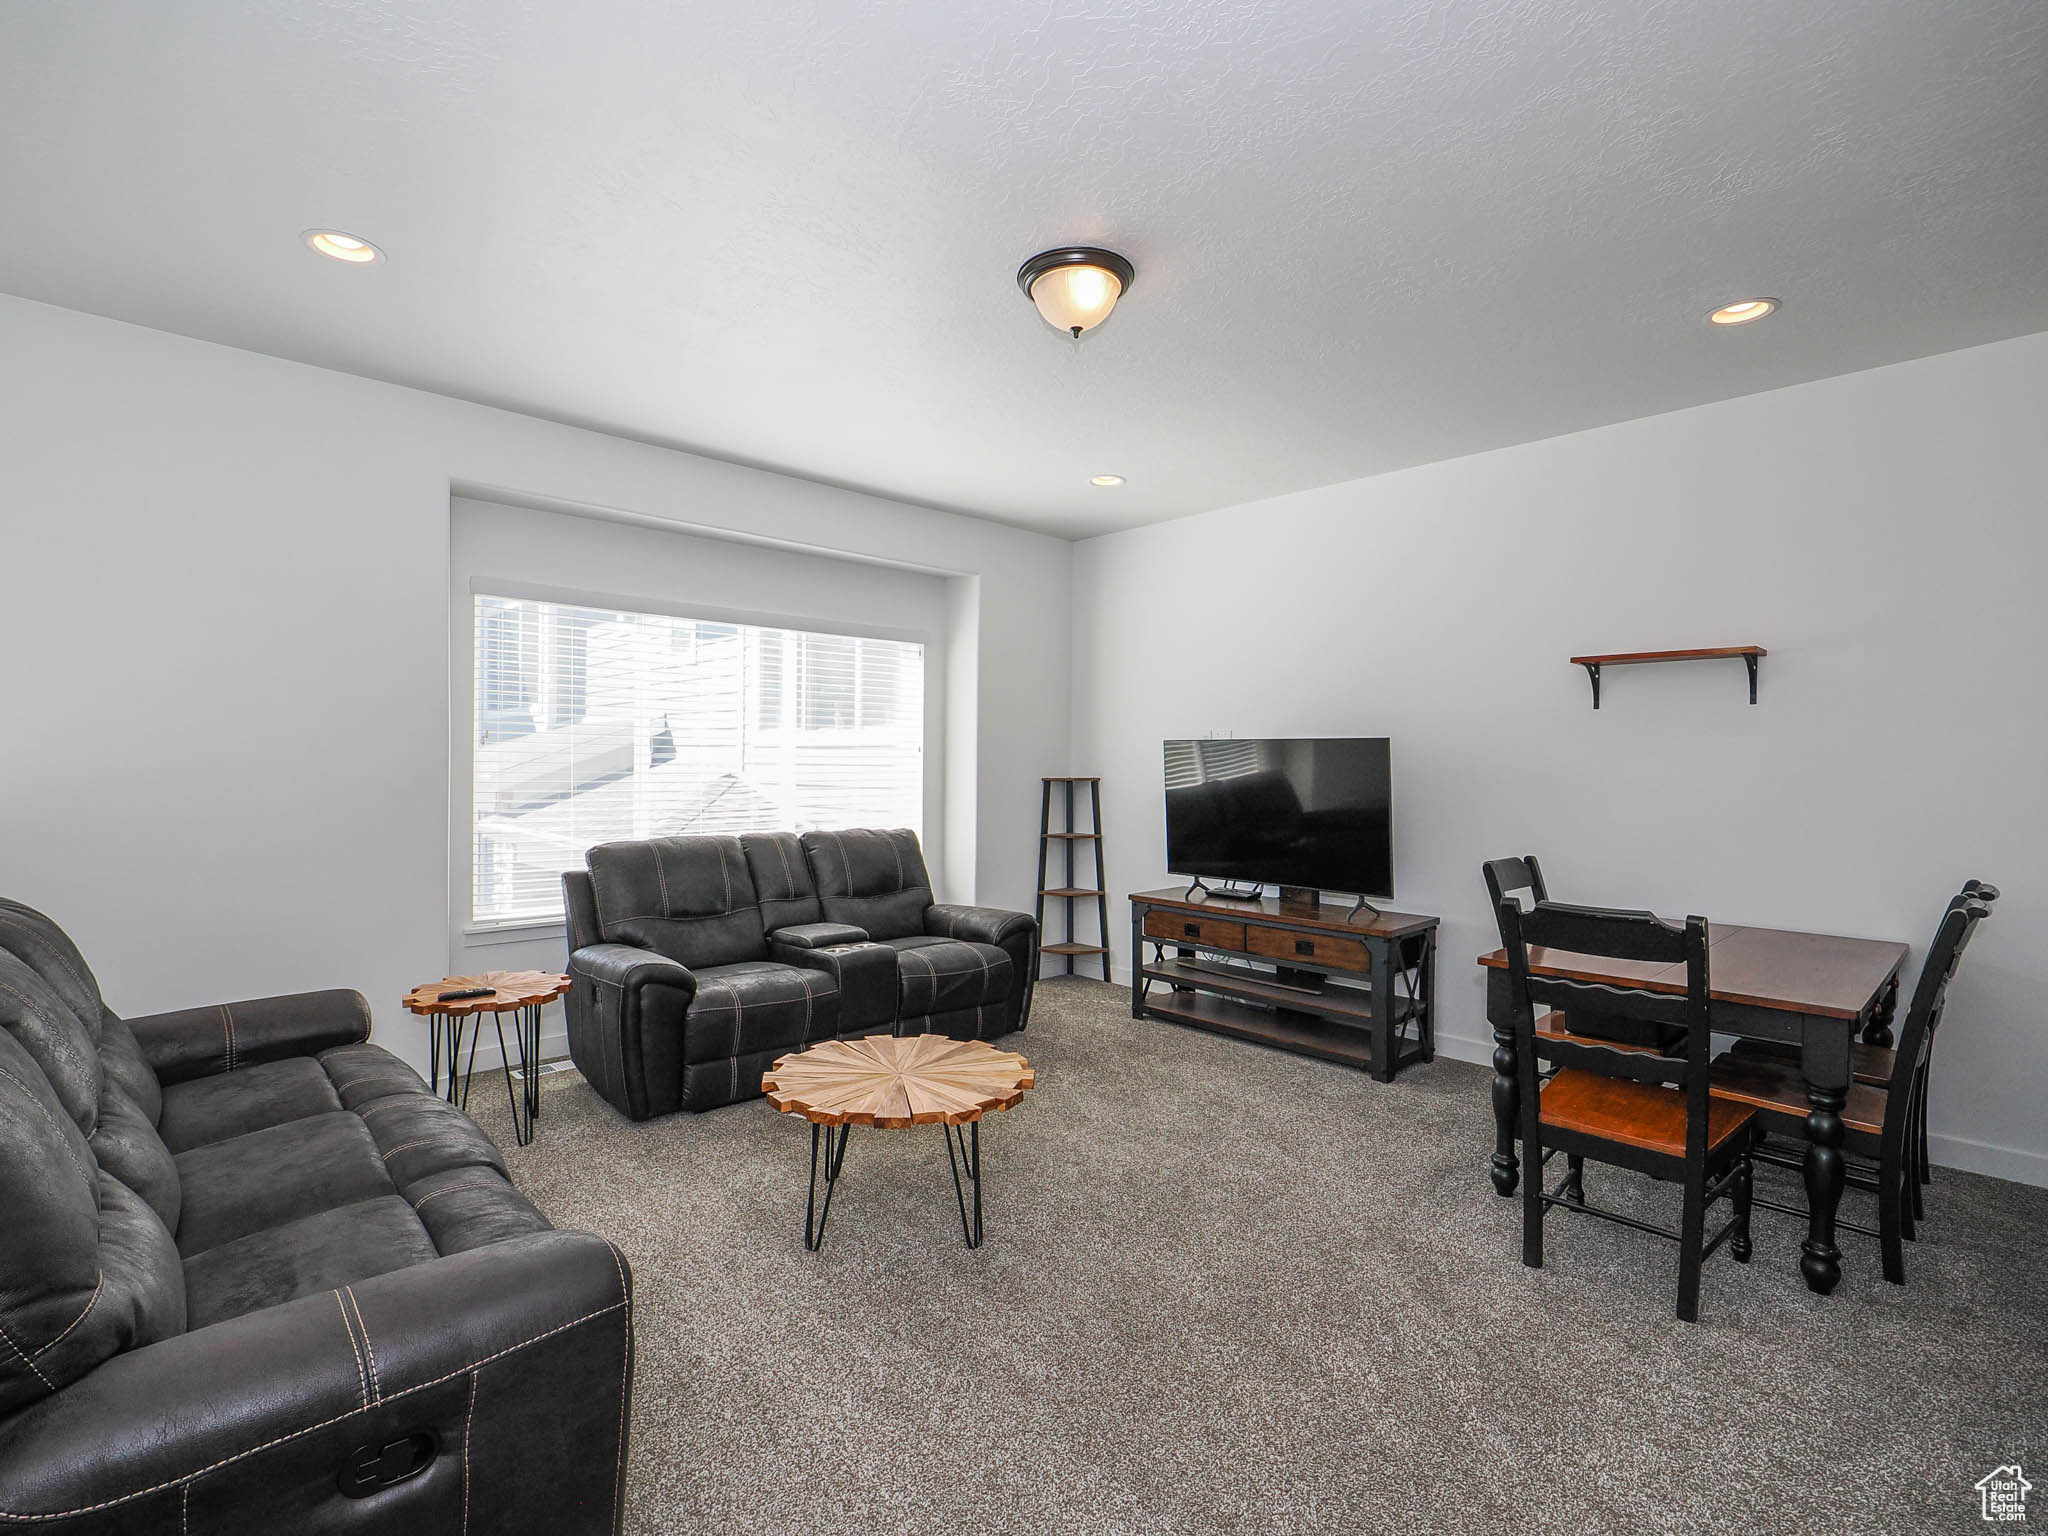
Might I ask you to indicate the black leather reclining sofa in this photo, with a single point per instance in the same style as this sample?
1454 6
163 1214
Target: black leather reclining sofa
696 961
254 1277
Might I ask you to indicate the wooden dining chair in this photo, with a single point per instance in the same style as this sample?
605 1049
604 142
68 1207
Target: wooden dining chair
1874 1066
1884 1130
1632 1106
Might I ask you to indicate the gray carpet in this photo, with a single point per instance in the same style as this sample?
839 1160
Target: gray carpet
1228 1290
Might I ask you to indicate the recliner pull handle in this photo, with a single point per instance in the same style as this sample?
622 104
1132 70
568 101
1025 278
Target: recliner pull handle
374 1468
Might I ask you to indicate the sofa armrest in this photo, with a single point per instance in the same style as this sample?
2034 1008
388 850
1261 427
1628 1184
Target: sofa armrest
631 968
513 1362
980 925
202 1042
628 1011
863 971
818 935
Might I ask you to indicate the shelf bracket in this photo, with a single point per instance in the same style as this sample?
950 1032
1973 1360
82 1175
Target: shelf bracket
1593 672
1750 661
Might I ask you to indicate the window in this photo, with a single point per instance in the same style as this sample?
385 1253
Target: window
594 725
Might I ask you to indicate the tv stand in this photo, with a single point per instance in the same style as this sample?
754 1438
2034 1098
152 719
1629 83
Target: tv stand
1300 976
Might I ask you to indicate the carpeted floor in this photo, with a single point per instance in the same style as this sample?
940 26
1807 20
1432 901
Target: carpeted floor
1231 1291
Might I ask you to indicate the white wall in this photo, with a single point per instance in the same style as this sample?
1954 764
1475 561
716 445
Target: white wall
224 590
1883 534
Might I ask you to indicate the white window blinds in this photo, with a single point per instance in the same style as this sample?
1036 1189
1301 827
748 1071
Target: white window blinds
594 725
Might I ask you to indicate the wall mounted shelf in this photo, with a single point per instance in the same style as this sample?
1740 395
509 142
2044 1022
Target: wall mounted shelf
1749 655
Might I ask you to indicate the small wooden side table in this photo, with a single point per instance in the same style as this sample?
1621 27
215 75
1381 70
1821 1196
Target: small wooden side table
893 1082
520 993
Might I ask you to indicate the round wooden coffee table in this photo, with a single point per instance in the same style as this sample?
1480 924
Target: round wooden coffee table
893 1082
520 993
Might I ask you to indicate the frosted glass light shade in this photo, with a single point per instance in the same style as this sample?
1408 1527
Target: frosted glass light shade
1075 288
1076 299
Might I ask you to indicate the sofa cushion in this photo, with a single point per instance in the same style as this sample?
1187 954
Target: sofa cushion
48 951
782 879
248 1183
64 1046
418 1135
141 1286
465 1208
872 879
121 1061
948 974
362 1074
297 1258
689 898
742 1018
758 1006
127 1146
49 1209
209 1109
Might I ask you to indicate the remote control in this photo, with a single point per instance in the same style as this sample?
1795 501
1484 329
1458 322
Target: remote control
462 993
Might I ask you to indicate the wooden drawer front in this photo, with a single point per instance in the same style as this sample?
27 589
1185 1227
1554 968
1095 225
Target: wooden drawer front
1194 930
1334 950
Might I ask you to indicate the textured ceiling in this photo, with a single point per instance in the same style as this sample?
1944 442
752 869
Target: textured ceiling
1367 234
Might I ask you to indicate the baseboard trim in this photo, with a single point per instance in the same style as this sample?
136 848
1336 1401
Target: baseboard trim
2014 1163
1960 1152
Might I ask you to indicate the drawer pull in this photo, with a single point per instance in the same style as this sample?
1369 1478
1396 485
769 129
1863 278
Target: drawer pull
1304 946
1192 930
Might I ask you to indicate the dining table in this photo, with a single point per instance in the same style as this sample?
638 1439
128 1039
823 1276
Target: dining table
1815 992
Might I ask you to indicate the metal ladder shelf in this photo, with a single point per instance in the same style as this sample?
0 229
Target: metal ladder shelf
1068 891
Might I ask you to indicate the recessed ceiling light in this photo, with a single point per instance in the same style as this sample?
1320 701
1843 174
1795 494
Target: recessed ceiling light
332 242
1105 479
1742 312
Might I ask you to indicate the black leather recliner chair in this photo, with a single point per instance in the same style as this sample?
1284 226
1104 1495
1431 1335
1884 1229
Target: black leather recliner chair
696 961
255 1277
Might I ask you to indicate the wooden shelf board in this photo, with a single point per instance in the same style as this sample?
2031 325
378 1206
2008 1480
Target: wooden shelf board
1079 837
1074 781
1072 949
1350 1003
1634 658
1070 890
1294 1032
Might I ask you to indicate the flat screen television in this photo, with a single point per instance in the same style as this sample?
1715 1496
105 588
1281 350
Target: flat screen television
1311 812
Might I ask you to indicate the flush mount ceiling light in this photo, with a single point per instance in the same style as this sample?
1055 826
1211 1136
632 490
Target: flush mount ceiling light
332 242
1076 286
1105 479
1742 312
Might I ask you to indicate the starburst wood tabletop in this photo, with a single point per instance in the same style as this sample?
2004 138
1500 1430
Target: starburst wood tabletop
892 1081
509 990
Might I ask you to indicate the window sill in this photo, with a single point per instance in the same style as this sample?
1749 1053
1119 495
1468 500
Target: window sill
485 935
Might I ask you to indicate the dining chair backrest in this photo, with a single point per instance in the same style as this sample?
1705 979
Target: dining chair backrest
1505 877
1596 934
1930 994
